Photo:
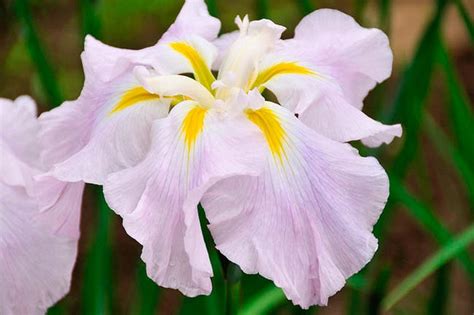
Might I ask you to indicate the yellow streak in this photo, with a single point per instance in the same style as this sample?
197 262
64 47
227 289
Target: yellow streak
201 71
278 69
175 100
270 125
192 126
132 97
139 94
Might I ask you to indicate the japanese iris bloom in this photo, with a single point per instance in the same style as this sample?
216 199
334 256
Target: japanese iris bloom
39 220
285 196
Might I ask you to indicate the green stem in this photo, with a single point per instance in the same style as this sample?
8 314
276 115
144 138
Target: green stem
37 55
460 109
466 18
451 154
233 276
440 258
147 294
424 215
212 6
97 288
359 8
378 291
384 15
438 302
306 7
262 9
90 21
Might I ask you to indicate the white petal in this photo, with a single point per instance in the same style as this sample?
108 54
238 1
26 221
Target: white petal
256 39
173 85
223 44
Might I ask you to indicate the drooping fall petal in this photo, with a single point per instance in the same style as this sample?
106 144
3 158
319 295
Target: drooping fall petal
192 149
306 221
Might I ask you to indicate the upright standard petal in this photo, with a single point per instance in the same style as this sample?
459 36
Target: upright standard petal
107 62
223 44
194 18
192 148
239 66
186 47
306 221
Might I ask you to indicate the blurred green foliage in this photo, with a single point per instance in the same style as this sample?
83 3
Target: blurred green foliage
119 21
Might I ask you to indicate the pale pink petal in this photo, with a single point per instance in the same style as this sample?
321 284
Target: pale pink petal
158 198
14 171
357 57
60 206
64 132
297 92
107 62
35 265
194 27
19 146
193 20
336 119
37 249
88 138
327 111
306 221
118 141
19 128
339 63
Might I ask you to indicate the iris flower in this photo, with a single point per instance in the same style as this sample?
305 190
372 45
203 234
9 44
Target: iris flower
284 194
39 219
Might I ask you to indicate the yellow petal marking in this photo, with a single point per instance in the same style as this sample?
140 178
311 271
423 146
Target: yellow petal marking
270 125
132 97
138 94
192 126
201 71
175 100
279 69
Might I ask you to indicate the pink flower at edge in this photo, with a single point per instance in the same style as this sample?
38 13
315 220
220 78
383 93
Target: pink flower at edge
38 231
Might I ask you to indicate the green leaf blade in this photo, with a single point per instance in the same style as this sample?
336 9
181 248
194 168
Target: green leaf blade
445 254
